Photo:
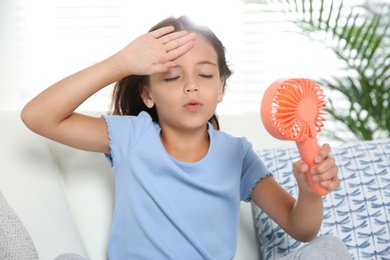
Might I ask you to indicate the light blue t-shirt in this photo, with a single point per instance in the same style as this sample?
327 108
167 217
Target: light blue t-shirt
167 209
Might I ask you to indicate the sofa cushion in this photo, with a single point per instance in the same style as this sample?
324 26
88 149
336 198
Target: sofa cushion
15 241
358 212
30 181
90 188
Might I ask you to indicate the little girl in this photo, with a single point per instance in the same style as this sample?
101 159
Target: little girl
179 180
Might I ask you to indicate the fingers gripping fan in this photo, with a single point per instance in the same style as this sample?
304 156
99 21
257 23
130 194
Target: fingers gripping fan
293 109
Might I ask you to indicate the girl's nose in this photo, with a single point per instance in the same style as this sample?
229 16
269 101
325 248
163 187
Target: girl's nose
191 86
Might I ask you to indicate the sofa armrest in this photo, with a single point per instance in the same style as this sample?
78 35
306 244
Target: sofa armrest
30 182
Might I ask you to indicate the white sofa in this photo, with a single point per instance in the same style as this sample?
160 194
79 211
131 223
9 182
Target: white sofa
63 197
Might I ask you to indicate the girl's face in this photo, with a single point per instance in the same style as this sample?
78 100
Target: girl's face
187 95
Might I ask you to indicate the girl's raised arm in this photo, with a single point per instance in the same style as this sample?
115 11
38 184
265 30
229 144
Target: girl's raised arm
51 113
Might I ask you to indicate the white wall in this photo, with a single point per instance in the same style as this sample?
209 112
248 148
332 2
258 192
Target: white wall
9 45
43 41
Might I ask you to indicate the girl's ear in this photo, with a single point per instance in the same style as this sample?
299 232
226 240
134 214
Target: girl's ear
148 101
221 89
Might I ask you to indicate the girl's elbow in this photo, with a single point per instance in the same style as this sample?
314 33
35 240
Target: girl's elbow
30 118
307 236
25 116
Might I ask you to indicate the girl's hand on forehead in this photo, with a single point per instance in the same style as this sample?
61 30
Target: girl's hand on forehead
154 52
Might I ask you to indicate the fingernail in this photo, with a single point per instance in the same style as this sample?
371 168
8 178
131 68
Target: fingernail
312 171
317 159
316 179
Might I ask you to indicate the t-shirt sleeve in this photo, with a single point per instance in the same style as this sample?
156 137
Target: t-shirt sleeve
123 133
253 170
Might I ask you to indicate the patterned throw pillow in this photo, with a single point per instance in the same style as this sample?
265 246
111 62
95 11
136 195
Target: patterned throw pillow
15 242
358 212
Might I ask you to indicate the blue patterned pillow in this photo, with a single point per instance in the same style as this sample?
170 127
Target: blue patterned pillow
358 212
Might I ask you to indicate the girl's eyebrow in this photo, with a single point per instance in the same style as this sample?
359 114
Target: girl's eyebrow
207 63
204 62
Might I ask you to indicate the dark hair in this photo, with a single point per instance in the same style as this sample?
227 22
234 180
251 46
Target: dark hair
126 96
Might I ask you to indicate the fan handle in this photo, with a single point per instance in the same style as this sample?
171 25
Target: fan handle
308 149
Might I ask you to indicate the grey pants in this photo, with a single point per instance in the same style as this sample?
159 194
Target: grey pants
70 256
322 248
325 247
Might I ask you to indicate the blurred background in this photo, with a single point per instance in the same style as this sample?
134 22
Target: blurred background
43 41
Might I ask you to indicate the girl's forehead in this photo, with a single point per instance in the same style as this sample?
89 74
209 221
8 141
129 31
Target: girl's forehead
203 44
202 37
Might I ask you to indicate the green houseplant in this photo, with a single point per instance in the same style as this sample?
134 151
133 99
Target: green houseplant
359 35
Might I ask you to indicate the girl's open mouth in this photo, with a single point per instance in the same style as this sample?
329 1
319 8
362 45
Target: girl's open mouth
193 105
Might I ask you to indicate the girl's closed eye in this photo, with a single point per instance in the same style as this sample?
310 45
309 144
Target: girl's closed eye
171 79
207 76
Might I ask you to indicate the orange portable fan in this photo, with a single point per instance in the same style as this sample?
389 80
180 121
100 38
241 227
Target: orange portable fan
292 109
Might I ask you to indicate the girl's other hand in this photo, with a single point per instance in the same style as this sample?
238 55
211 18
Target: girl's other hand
325 171
154 52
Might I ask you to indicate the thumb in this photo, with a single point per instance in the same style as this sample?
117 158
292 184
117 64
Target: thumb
300 167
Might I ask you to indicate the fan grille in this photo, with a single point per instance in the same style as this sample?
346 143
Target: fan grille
297 111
